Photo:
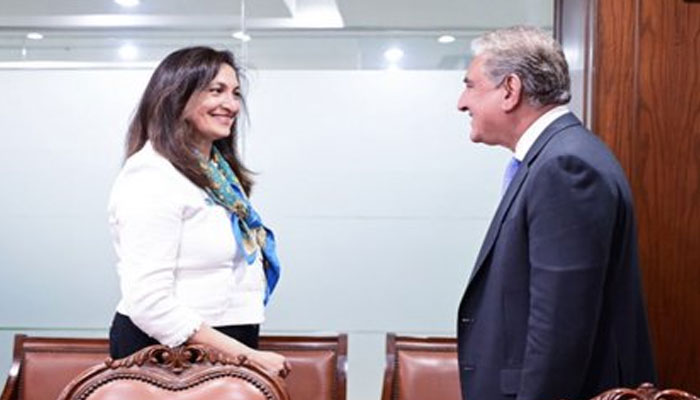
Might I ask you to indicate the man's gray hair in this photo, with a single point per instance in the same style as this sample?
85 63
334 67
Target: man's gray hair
531 54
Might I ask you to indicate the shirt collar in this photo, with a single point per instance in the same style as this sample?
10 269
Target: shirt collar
535 130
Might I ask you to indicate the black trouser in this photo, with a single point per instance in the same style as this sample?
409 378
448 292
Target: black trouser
125 338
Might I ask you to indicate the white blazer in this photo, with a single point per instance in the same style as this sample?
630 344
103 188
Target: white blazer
178 262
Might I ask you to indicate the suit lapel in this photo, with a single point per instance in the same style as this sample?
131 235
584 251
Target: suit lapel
513 189
497 219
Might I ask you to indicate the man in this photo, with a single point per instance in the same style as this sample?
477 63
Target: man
554 307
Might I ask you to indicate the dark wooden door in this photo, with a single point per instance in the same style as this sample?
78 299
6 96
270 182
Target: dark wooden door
644 68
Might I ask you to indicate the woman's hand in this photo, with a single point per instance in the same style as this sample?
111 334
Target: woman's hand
273 363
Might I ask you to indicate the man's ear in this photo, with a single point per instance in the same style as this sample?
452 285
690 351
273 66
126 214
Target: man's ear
513 92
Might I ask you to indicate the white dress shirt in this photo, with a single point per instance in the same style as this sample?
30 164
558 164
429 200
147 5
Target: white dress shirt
535 130
178 262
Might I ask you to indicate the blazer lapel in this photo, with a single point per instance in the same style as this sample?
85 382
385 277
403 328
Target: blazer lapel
555 127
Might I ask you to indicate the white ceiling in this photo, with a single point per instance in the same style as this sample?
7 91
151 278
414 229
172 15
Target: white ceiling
281 14
286 33
441 14
255 8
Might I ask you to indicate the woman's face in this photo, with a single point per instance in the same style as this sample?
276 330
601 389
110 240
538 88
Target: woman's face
212 111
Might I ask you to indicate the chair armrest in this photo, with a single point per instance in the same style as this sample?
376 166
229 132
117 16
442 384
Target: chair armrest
9 392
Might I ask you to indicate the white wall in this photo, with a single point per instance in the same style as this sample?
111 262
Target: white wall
378 198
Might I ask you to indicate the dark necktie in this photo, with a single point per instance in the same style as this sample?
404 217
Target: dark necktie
511 169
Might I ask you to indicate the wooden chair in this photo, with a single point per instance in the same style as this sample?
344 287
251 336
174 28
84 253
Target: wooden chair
421 368
189 372
43 366
646 391
427 368
319 365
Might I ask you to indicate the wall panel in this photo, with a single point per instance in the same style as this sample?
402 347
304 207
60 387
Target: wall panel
647 108
378 199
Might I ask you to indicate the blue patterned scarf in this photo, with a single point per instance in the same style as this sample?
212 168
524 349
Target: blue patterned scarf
248 229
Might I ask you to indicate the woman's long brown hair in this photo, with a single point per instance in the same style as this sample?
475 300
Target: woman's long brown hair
159 119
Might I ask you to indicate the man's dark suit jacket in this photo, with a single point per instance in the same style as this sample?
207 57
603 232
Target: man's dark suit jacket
554 307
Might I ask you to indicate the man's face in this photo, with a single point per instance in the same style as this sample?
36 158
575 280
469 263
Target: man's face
482 99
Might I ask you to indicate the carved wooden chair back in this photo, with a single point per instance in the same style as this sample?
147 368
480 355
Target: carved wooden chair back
182 373
646 391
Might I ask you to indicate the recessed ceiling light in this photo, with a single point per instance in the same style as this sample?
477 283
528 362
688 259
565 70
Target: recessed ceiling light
393 55
446 39
242 36
127 3
128 52
35 36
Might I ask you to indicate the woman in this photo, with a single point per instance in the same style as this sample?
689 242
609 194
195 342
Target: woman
195 262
